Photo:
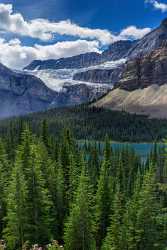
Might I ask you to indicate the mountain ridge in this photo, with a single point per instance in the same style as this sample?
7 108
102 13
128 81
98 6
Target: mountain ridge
145 69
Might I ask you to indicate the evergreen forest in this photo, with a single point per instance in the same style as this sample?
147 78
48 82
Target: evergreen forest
57 194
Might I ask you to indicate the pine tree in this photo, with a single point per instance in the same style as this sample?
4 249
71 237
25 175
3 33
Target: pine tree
45 135
16 219
76 165
103 197
143 229
115 235
39 202
65 154
93 167
57 193
79 226
5 173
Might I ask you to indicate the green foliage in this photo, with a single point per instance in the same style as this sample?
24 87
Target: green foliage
16 218
89 123
79 225
104 196
83 197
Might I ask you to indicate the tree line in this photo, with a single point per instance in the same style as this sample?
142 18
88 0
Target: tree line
56 193
94 124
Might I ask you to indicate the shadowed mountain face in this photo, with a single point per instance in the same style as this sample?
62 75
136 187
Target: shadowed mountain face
22 93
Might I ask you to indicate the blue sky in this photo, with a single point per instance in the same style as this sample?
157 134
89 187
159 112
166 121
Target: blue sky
106 14
69 27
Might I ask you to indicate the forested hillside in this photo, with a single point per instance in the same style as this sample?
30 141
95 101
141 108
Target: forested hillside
92 123
61 196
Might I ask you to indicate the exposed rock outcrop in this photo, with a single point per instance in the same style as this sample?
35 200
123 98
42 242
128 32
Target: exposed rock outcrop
118 50
83 60
145 71
22 93
115 51
142 88
104 76
151 101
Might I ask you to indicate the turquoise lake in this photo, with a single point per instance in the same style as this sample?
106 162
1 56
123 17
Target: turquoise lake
143 149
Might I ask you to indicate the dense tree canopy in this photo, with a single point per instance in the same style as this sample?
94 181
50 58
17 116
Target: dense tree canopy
56 192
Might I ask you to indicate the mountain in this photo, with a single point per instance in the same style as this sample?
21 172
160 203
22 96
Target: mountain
133 72
142 88
152 41
21 93
79 61
103 76
115 51
100 71
118 50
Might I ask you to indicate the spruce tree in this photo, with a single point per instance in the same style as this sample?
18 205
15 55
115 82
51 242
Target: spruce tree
57 193
115 238
103 197
143 228
16 219
5 173
39 201
79 226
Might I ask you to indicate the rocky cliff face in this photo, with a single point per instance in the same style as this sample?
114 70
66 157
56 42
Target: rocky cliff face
83 60
142 87
76 94
152 41
103 76
116 51
145 71
22 93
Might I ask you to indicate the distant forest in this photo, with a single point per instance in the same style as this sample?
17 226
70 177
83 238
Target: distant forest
93 123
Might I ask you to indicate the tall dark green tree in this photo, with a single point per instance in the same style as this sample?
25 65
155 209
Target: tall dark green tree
79 226
5 173
115 238
104 197
39 201
16 219
143 228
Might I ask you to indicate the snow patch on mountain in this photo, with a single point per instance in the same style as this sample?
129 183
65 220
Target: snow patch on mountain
57 79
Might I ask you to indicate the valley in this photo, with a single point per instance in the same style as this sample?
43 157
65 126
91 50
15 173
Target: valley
83 126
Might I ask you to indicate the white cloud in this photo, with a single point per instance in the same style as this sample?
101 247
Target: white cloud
132 32
45 30
158 5
16 56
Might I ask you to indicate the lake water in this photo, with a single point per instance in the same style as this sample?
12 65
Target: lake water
143 149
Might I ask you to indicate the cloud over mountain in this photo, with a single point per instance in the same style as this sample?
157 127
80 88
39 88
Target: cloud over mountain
16 54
